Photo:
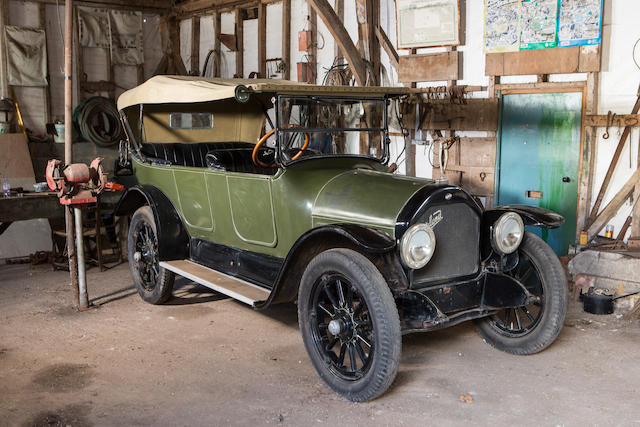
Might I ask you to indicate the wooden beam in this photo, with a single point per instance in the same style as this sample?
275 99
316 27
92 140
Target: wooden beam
342 38
217 23
588 155
46 91
158 6
313 54
239 44
388 47
428 67
614 205
544 61
603 120
262 40
475 114
542 85
286 38
339 8
373 22
4 20
195 45
613 164
229 40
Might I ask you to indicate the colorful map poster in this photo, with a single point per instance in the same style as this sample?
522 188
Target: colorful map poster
502 25
580 22
538 24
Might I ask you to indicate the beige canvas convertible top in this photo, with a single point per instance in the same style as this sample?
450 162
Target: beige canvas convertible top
183 89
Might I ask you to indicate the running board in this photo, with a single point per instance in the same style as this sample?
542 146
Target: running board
231 286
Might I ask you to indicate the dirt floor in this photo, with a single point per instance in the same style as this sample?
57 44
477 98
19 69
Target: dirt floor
203 359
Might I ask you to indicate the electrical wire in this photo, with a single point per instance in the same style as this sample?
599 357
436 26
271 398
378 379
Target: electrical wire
633 53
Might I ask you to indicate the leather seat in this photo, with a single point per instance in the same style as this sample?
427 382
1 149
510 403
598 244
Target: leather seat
225 156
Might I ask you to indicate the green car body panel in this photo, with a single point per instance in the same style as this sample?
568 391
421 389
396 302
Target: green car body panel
268 213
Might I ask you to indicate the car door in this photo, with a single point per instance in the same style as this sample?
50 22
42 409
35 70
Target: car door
251 208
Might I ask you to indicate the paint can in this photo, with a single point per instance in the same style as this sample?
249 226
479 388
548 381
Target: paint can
608 232
584 237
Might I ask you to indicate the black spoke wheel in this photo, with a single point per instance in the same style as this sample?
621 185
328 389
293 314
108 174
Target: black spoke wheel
531 328
349 324
153 283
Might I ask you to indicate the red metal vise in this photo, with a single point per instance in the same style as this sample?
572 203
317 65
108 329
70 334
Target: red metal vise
77 183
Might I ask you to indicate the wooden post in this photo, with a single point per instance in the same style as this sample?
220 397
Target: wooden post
195 45
239 44
339 7
286 38
588 155
373 21
313 26
262 40
216 43
46 91
4 20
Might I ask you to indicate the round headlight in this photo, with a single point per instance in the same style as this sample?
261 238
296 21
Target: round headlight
417 246
508 232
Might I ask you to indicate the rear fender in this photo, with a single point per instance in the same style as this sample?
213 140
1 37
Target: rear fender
173 238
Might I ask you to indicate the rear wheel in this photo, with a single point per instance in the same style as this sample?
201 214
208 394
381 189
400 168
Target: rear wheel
153 283
349 324
531 328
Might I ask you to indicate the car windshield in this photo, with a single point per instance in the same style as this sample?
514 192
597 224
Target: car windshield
331 127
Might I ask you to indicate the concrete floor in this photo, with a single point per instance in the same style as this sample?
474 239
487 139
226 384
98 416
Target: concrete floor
206 360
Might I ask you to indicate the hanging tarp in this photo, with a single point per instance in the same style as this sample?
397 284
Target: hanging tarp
26 56
126 37
93 27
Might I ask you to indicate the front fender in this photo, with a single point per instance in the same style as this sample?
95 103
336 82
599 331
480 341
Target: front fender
173 238
531 215
316 240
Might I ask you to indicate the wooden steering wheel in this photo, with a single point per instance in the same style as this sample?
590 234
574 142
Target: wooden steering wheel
256 149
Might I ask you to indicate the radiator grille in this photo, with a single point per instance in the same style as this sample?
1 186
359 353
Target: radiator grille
457 230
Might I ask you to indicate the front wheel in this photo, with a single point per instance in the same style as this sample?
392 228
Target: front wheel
154 283
531 328
349 324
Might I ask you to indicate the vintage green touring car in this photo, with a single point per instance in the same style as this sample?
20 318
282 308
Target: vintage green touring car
271 191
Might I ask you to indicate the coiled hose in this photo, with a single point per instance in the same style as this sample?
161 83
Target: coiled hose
98 121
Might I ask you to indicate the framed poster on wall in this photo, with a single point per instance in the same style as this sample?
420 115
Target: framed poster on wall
538 24
502 25
427 23
580 22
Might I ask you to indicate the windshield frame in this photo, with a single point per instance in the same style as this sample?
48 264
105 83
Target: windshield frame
280 131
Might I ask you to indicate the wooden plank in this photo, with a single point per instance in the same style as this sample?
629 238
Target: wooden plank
428 67
543 86
229 40
373 22
614 205
613 164
388 47
157 6
262 40
286 38
602 120
239 44
195 45
339 8
342 38
475 114
589 59
543 61
216 43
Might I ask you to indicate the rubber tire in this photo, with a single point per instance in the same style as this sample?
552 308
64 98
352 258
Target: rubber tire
164 285
556 300
364 276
